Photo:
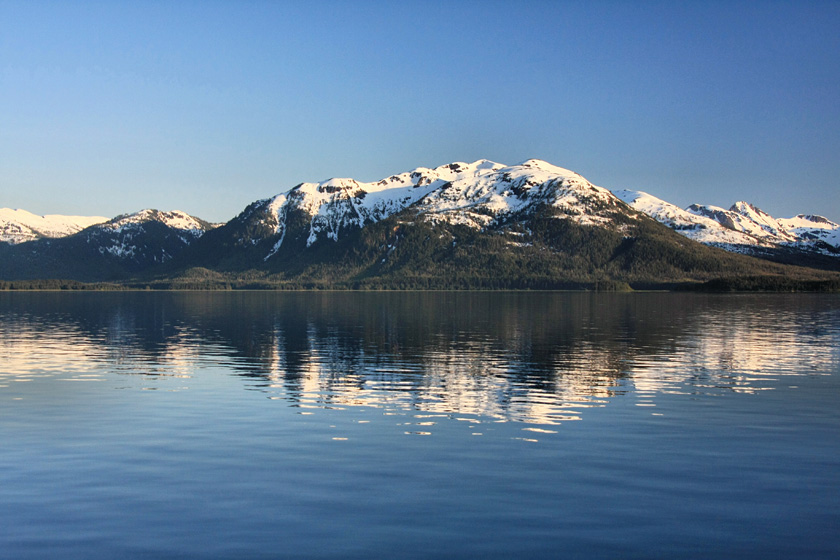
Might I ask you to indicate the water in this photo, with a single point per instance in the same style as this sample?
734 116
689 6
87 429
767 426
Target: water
419 425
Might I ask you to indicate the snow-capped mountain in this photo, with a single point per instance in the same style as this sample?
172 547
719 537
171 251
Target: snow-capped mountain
124 245
338 218
174 219
127 236
481 224
741 228
495 192
476 195
19 226
807 227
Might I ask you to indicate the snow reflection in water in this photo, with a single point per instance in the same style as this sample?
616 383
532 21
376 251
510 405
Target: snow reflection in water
536 358
250 425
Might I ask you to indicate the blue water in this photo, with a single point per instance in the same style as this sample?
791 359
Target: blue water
419 425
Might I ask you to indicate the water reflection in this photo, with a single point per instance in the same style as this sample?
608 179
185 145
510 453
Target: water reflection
530 357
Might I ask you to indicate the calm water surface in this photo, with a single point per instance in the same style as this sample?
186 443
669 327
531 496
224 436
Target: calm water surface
419 425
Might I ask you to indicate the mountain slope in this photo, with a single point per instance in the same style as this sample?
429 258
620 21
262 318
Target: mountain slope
20 226
479 224
474 195
809 227
742 228
118 248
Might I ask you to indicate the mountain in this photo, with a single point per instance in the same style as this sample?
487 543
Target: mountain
744 228
19 226
462 225
817 229
475 195
480 224
146 236
127 245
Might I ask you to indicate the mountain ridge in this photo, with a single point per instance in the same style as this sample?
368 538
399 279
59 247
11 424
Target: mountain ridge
742 228
115 249
534 224
19 226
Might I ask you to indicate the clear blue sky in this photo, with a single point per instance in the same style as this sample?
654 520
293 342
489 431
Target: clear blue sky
110 107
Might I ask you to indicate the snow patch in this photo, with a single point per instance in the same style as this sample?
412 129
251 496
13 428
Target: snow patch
740 228
19 226
175 219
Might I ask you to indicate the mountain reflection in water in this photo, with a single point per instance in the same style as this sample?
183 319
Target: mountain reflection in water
540 358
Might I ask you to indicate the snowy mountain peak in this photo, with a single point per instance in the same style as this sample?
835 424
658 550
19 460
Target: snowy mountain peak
813 229
748 209
809 220
765 220
744 227
19 226
149 235
547 167
460 167
473 194
175 219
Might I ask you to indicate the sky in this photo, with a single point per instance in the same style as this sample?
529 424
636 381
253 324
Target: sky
206 106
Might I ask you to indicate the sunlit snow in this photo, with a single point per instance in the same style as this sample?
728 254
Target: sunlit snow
743 225
18 226
472 194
